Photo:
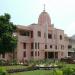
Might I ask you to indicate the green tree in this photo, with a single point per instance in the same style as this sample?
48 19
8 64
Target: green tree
8 42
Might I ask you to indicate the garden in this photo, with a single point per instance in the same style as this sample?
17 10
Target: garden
41 67
8 44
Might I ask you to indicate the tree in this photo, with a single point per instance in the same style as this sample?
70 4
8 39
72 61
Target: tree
8 42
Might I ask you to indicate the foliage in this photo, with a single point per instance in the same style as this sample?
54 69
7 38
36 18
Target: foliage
2 62
58 72
13 62
68 71
8 42
2 72
37 62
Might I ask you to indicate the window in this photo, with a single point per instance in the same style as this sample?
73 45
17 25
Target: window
39 33
38 45
3 55
35 45
35 53
56 47
31 34
69 46
24 33
50 36
24 45
63 47
27 33
38 53
24 54
32 45
50 46
32 53
60 37
45 46
62 53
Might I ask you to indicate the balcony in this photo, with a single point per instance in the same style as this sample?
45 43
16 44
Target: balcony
71 50
24 38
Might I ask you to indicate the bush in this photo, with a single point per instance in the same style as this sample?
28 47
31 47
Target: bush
68 71
69 60
2 62
12 62
30 67
58 72
3 72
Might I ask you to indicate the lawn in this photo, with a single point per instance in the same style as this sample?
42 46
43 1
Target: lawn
13 67
37 72
41 72
70 65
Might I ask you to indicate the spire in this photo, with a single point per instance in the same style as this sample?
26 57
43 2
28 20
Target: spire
44 8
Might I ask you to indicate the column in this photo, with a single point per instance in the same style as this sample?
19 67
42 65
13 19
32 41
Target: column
34 51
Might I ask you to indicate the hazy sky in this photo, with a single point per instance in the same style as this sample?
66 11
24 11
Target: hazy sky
26 12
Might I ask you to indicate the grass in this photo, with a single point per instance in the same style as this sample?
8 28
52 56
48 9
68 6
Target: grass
13 67
70 65
37 72
42 72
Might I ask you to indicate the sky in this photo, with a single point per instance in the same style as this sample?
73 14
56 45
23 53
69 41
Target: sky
26 12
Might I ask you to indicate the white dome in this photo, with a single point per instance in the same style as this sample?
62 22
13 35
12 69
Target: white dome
44 18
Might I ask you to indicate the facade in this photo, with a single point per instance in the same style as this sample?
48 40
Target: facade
71 48
40 41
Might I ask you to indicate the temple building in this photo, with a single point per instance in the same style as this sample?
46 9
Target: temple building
41 41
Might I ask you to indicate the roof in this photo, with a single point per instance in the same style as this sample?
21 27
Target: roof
19 27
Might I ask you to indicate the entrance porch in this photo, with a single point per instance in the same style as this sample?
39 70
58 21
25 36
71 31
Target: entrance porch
51 55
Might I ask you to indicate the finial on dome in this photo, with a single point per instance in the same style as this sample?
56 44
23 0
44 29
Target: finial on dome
44 8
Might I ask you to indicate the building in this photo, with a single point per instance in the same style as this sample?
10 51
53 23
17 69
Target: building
71 47
40 41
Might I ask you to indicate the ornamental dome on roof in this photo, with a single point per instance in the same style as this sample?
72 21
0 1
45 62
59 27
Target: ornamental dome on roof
44 18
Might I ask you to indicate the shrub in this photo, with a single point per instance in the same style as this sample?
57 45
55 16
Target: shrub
68 71
58 72
13 62
3 72
31 67
2 62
